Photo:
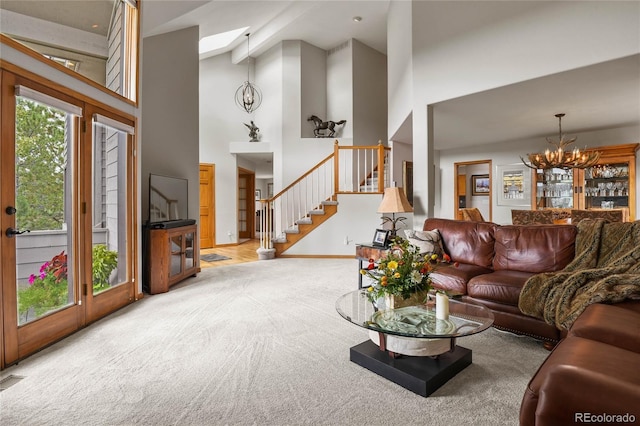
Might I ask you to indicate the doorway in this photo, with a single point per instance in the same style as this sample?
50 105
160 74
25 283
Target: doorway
466 195
247 197
207 206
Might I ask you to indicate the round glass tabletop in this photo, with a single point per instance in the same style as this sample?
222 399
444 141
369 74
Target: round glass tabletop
414 321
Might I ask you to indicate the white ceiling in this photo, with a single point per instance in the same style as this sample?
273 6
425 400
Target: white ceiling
596 97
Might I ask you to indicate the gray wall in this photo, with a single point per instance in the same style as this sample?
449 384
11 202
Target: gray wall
170 113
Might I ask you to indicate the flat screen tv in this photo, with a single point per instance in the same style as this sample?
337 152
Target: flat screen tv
168 199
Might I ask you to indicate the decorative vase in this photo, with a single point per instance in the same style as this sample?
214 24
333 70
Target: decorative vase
418 298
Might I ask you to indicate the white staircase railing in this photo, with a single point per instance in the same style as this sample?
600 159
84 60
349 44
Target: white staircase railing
348 170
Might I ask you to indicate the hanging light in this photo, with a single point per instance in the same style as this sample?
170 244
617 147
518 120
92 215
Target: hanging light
248 96
562 157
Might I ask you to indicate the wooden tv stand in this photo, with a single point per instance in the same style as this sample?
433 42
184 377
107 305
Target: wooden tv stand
173 256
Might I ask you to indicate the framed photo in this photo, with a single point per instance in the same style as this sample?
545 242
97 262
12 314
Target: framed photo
480 185
513 185
258 194
381 237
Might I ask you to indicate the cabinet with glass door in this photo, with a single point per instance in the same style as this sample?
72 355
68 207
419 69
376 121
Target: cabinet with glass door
609 184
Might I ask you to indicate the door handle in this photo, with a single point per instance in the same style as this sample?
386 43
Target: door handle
10 232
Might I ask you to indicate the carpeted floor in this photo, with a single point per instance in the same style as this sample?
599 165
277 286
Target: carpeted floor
254 343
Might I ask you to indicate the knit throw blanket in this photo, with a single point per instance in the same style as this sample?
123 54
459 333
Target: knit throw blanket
606 269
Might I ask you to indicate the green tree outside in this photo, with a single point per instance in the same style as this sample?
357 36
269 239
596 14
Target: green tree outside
41 158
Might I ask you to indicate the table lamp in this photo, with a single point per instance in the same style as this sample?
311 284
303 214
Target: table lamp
394 201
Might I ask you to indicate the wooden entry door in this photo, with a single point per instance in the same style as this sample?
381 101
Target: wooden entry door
246 203
207 205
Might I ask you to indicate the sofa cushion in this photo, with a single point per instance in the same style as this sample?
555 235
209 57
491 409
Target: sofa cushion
466 242
609 324
536 248
499 286
455 278
426 241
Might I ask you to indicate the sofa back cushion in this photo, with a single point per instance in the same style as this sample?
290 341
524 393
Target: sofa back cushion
465 242
534 248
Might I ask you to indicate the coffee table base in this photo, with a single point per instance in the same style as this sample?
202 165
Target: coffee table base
421 375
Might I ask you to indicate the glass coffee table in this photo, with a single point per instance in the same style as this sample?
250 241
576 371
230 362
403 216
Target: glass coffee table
408 345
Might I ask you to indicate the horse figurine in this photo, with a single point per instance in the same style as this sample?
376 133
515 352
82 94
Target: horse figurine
324 125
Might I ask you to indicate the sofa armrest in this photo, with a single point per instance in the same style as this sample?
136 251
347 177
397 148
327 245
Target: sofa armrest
572 395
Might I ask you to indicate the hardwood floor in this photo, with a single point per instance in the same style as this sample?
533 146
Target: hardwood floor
241 253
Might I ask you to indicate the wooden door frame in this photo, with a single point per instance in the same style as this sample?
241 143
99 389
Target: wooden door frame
456 168
251 207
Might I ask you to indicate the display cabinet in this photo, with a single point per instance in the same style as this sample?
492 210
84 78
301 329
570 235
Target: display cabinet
173 256
610 184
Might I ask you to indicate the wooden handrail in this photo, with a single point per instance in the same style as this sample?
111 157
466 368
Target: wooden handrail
311 170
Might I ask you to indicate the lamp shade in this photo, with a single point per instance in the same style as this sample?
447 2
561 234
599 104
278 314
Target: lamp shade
394 201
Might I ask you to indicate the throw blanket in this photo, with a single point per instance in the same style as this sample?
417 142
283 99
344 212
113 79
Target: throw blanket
606 269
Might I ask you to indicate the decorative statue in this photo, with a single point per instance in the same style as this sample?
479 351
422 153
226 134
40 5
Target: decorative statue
253 131
324 125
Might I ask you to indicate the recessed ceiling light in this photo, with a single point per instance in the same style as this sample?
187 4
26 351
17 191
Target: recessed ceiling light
95 26
357 18
218 41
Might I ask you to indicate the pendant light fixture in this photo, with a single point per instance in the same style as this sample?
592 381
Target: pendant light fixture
562 157
248 96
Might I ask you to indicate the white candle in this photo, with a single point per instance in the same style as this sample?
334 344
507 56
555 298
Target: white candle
442 306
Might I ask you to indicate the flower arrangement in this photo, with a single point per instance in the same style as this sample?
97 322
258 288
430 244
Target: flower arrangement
402 272
49 289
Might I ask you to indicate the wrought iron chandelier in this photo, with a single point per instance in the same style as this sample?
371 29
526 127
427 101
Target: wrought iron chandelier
248 96
562 157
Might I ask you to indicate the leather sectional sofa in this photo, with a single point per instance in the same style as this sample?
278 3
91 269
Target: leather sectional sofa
494 261
592 375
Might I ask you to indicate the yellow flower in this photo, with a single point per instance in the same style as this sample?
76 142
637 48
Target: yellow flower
370 289
396 275
393 265
434 256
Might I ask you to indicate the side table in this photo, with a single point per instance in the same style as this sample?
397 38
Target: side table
364 252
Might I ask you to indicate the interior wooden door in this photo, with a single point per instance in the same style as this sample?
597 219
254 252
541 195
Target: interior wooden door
246 203
207 205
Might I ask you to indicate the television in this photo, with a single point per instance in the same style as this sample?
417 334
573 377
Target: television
168 199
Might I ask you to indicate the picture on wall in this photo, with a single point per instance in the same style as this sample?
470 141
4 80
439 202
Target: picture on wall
480 185
513 185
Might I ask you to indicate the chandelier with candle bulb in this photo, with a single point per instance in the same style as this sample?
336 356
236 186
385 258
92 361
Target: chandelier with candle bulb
562 157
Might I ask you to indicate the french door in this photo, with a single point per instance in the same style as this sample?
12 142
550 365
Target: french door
67 206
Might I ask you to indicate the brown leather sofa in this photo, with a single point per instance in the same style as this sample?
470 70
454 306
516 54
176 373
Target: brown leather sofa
592 376
494 261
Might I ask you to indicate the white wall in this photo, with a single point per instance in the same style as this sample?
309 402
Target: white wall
340 88
399 64
369 95
313 72
509 153
465 47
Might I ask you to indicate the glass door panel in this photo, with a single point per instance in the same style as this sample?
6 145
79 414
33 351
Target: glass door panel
109 208
175 248
554 189
607 186
189 251
44 138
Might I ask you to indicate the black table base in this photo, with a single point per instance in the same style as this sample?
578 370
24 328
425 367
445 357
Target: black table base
421 375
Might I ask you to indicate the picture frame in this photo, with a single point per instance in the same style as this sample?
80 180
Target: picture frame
513 185
381 238
258 194
480 185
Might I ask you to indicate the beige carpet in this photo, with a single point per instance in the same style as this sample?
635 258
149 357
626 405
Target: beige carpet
252 344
